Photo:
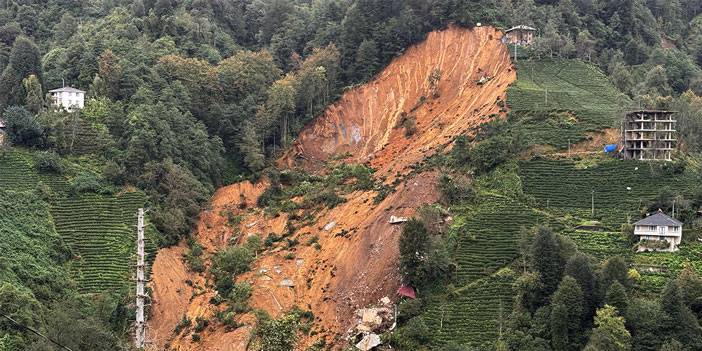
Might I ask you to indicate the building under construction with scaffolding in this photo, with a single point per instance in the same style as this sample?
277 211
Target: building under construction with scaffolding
649 135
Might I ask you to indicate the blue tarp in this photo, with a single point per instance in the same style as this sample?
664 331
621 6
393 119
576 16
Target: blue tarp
610 148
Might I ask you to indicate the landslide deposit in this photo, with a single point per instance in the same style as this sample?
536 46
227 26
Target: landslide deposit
443 87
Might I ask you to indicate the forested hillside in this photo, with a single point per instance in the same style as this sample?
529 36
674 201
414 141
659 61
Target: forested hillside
186 96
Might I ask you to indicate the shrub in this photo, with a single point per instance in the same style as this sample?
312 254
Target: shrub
184 323
49 161
239 297
86 182
200 324
455 190
227 264
271 239
277 334
22 127
193 257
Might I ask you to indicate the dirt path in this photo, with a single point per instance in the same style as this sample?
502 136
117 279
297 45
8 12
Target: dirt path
356 263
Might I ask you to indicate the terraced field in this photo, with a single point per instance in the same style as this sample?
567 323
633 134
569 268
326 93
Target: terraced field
620 188
99 229
101 233
600 245
557 101
472 316
18 173
488 235
647 263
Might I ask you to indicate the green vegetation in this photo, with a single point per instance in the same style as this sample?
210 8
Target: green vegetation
621 188
555 102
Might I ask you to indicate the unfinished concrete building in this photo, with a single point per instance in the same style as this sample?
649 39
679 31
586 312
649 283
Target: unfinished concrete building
649 135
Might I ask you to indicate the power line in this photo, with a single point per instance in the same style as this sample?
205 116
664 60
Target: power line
35 332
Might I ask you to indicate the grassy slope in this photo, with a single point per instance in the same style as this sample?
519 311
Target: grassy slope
557 193
557 101
98 229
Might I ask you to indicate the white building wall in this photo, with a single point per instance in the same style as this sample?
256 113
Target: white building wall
69 100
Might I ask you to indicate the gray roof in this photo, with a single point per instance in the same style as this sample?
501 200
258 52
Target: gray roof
659 218
67 89
522 27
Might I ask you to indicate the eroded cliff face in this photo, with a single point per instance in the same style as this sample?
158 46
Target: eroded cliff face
357 262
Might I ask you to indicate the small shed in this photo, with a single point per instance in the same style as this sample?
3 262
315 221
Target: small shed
520 35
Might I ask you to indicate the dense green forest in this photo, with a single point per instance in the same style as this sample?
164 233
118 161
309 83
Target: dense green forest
184 96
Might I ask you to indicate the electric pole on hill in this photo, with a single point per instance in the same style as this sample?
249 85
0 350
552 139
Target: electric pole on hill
140 334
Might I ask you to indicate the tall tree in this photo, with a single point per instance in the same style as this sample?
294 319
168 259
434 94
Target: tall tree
35 94
547 260
567 315
111 73
678 321
616 297
414 251
609 334
580 268
25 60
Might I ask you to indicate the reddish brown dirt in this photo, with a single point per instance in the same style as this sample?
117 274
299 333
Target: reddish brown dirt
363 122
357 262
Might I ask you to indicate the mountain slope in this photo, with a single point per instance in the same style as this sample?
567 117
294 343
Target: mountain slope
355 264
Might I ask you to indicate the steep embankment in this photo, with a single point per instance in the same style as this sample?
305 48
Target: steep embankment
355 263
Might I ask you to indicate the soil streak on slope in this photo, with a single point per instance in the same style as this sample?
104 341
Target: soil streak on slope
357 262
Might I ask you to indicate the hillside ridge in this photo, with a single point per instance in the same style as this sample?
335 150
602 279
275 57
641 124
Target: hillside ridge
356 264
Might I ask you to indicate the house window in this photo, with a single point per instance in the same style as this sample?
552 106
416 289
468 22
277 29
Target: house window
661 230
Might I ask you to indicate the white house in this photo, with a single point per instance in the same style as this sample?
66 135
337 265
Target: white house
68 98
659 226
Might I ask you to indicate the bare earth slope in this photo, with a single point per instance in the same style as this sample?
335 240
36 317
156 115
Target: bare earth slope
357 262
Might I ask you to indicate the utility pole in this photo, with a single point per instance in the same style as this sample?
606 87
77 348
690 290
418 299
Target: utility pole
140 334
515 52
546 96
593 203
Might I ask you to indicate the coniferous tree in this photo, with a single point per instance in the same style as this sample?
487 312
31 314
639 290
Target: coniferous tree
111 73
616 297
609 334
567 312
25 60
366 63
547 260
35 94
580 268
678 321
414 250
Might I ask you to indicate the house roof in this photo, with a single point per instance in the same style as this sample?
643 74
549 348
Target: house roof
406 291
67 90
522 27
2 123
659 218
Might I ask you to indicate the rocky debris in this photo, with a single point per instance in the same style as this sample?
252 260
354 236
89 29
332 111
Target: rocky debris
329 226
368 342
373 319
385 301
265 278
396 220
277 269
287 282
250 225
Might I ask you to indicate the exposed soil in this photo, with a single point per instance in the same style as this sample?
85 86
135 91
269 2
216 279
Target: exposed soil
357 262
